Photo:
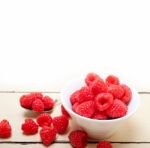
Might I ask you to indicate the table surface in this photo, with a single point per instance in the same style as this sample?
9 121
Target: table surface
135 133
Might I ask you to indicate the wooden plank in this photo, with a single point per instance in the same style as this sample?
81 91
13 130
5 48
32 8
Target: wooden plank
65 145
136 129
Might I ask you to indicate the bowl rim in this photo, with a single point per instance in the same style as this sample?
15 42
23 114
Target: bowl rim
96 120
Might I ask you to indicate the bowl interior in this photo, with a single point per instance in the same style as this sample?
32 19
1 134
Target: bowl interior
77 84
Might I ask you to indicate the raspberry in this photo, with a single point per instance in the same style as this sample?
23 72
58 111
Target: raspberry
44 119
103 101
26 101
98 86
5 129
36 95
48 103
85 94
64 112
86 109
29 127
74 97
100 116
78 139
38 105
104 144
116 90
111 79
75 106
90 78
127 94
48 135
60 123
117 109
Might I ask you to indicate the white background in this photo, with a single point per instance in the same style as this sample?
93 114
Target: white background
44 44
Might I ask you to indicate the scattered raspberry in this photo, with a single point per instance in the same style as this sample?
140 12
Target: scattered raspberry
44 119
98 86
75 106
5 129
29 127
26 101
64 112
86 109
60 123
74 97
48 103
117 109
100 116
78 139
116 90
48 135
104 144
85 94
103 101
90 78
111 79
38 105
127 94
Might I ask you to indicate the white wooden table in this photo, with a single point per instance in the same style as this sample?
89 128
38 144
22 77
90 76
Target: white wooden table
135 133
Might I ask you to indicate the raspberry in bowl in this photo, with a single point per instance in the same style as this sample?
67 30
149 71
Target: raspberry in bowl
99 106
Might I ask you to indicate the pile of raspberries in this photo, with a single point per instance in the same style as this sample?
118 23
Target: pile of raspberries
101 99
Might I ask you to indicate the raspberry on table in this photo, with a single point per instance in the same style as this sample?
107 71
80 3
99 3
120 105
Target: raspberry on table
98 86
26 101
85 109
127 94
85 94
90 78
60 123
100 116
44 119
103 101
117 109
104 144
64 112
48 135
116 90
5 129
48 102
38 105
74 97
29 127
78 139
111 79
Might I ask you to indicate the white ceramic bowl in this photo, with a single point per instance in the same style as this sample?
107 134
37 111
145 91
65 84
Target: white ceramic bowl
97 129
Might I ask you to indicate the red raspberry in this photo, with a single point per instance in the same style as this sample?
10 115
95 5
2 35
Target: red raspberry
111 79
74 97
86 109
75 106
85 94
36 95
127 94
116 90
103 101
104 144
48 103
60 123
90 78
78 139
29 127
26 101
5 129
98 86
64 112
117 109
44 119
48 135
38 105
100 116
